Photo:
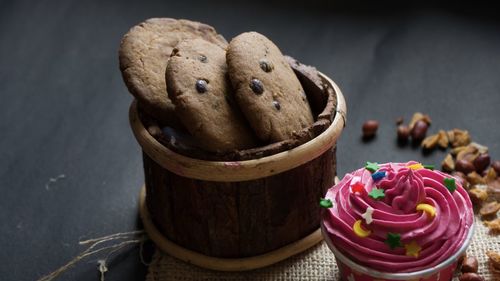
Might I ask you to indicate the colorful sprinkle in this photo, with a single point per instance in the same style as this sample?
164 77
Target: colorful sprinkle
359 231
450 184
393 240
368 215
378 175
325 203
372 166
417 166
429 167
357 187
377 193
428 209
413 249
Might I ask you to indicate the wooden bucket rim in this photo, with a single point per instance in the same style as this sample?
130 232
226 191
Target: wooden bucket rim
233 171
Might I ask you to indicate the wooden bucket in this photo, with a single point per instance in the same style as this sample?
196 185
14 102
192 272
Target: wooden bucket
237 215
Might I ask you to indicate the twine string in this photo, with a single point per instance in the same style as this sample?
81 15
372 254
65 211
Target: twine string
92 250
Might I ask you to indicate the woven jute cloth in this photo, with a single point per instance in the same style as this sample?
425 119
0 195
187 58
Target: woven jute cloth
317 263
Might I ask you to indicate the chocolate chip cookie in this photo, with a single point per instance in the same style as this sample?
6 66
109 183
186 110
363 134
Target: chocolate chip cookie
143 54
198 85
267 90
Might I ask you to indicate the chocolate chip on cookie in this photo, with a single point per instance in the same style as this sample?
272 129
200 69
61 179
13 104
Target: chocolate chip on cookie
202 95
266 65
201 86
144 53
256 86
267 90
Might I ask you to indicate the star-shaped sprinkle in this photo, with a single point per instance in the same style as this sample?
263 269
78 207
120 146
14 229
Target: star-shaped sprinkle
450 184
377 193
368 215
417 166
351 277
357 187
359 230
325 203
372 166
428 209
393 240
429 167
413 249
378 175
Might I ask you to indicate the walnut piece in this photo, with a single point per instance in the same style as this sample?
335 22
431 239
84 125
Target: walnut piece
470 153
493 225
494 258
443 141
478 195
489 209
460 138
430 142
448 163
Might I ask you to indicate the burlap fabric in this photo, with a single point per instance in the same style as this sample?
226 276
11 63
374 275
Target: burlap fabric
317 263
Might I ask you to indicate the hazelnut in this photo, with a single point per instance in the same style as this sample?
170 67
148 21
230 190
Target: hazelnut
464 166
403 133
370 128
481 162
419 131
469 264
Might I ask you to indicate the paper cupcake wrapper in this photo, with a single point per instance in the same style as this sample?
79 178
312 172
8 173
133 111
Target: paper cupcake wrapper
351 271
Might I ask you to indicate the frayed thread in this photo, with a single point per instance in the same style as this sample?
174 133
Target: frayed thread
131 238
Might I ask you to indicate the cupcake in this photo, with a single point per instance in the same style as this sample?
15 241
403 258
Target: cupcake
397 221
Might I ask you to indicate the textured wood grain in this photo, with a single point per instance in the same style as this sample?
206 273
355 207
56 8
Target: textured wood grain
238 219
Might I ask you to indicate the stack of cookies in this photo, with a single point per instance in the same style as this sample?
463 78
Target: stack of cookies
219 97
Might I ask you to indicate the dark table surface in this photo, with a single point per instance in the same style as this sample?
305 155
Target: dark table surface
63 106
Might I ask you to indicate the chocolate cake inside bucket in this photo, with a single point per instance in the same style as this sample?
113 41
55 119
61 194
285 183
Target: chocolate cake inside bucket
244 203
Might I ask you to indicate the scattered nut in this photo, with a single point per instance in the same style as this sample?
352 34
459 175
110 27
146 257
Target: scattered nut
493 188
489 209
403 133
464 166
443 139
490 175
478 195
370 128
469 264
494 226
448 163
481 148
460 138
496 165
451 135
470 276
475 178
482 162
419 131
430 142
456 150
494 258
470 153
417 116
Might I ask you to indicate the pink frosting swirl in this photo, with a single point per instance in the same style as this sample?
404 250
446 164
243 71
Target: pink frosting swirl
438 237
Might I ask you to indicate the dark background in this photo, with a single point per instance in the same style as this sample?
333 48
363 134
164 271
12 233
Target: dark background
63 105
